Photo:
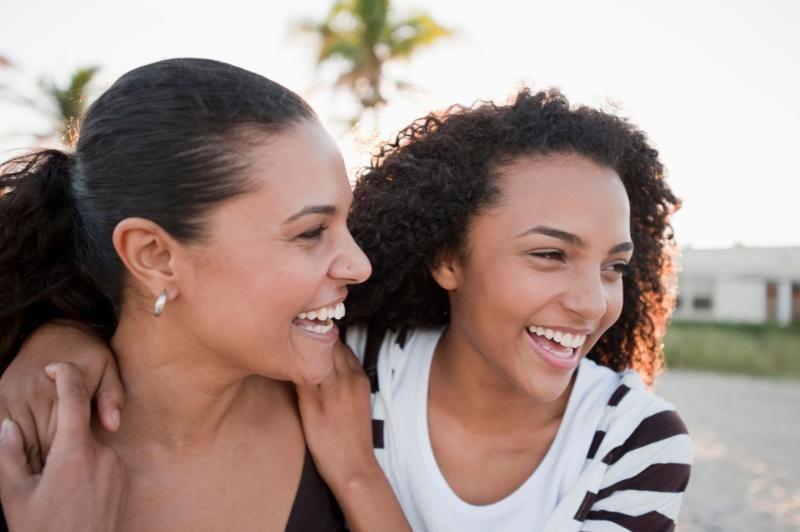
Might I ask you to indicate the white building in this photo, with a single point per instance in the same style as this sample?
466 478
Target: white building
740 284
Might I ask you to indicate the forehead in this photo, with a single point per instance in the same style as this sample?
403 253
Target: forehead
297 167
566 191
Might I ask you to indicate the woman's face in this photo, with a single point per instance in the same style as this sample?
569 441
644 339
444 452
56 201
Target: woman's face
273 255
543 275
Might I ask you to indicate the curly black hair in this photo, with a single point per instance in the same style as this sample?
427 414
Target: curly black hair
416 199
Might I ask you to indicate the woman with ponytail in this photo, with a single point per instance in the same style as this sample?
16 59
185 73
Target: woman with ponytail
199 228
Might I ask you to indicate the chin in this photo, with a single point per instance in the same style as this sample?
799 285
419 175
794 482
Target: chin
550 391
310 374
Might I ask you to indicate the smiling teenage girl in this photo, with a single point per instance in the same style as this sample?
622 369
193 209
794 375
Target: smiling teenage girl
521 258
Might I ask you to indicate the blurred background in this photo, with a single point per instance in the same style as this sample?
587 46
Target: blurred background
714 83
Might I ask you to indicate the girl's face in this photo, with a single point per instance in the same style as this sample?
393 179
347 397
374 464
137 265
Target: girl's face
275 254
543 275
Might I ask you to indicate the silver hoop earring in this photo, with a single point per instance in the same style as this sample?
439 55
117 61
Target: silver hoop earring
161 301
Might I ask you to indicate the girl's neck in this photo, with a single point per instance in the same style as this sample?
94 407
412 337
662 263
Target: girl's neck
465 384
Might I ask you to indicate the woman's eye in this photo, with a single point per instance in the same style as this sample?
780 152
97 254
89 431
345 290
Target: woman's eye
550 254
621 268
313 234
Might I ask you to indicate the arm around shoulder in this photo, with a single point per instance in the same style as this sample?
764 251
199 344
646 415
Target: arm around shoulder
27 396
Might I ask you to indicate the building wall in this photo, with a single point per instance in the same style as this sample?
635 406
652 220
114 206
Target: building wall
695 298
751 285
740 300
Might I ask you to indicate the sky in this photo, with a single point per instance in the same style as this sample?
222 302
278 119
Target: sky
714 84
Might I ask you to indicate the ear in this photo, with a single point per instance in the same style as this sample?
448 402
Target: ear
148 253
447 271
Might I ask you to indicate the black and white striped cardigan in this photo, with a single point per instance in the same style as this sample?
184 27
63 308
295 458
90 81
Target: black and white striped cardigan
637 468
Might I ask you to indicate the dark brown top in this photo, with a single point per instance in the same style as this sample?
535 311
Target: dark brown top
314 508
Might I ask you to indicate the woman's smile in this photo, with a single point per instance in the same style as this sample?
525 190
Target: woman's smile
319 324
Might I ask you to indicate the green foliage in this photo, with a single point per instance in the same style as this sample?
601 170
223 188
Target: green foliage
69 102
767 350
63 105
365 35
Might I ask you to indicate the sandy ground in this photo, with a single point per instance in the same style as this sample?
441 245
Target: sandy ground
746 436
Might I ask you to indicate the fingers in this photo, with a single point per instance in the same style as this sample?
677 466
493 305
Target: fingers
74 408
344 360
352 360
23 401
46 439
14 470
307 394
26 425
29 427
110 396
339 360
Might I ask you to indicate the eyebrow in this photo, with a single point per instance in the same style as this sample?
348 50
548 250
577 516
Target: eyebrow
311 209
571 238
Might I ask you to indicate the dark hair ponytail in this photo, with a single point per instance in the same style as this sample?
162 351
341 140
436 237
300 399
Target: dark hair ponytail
40 277
163 144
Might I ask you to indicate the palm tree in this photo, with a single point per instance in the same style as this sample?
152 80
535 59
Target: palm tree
366 36
63 105
68 103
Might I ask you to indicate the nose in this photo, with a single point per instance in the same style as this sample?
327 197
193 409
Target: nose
351 265
587 296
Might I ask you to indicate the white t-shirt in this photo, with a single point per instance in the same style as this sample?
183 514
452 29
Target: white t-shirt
400 406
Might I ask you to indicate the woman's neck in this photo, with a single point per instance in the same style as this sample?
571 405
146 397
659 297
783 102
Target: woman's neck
465 384
179 395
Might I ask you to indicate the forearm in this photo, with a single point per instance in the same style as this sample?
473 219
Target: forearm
61 339
369 503
27 395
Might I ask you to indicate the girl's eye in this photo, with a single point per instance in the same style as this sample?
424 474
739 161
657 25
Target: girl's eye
313 234
549 254
621 268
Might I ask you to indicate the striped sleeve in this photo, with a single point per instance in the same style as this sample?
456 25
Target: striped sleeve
637 468
645 480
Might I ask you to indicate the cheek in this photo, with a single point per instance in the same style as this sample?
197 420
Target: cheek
614 301
251 294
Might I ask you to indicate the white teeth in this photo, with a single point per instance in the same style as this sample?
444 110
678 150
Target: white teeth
561 354
336 311
319 329
339 312
569 340
322 329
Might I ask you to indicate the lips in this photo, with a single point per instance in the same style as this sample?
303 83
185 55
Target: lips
315 326
335 311
319 324
553 353
565 338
